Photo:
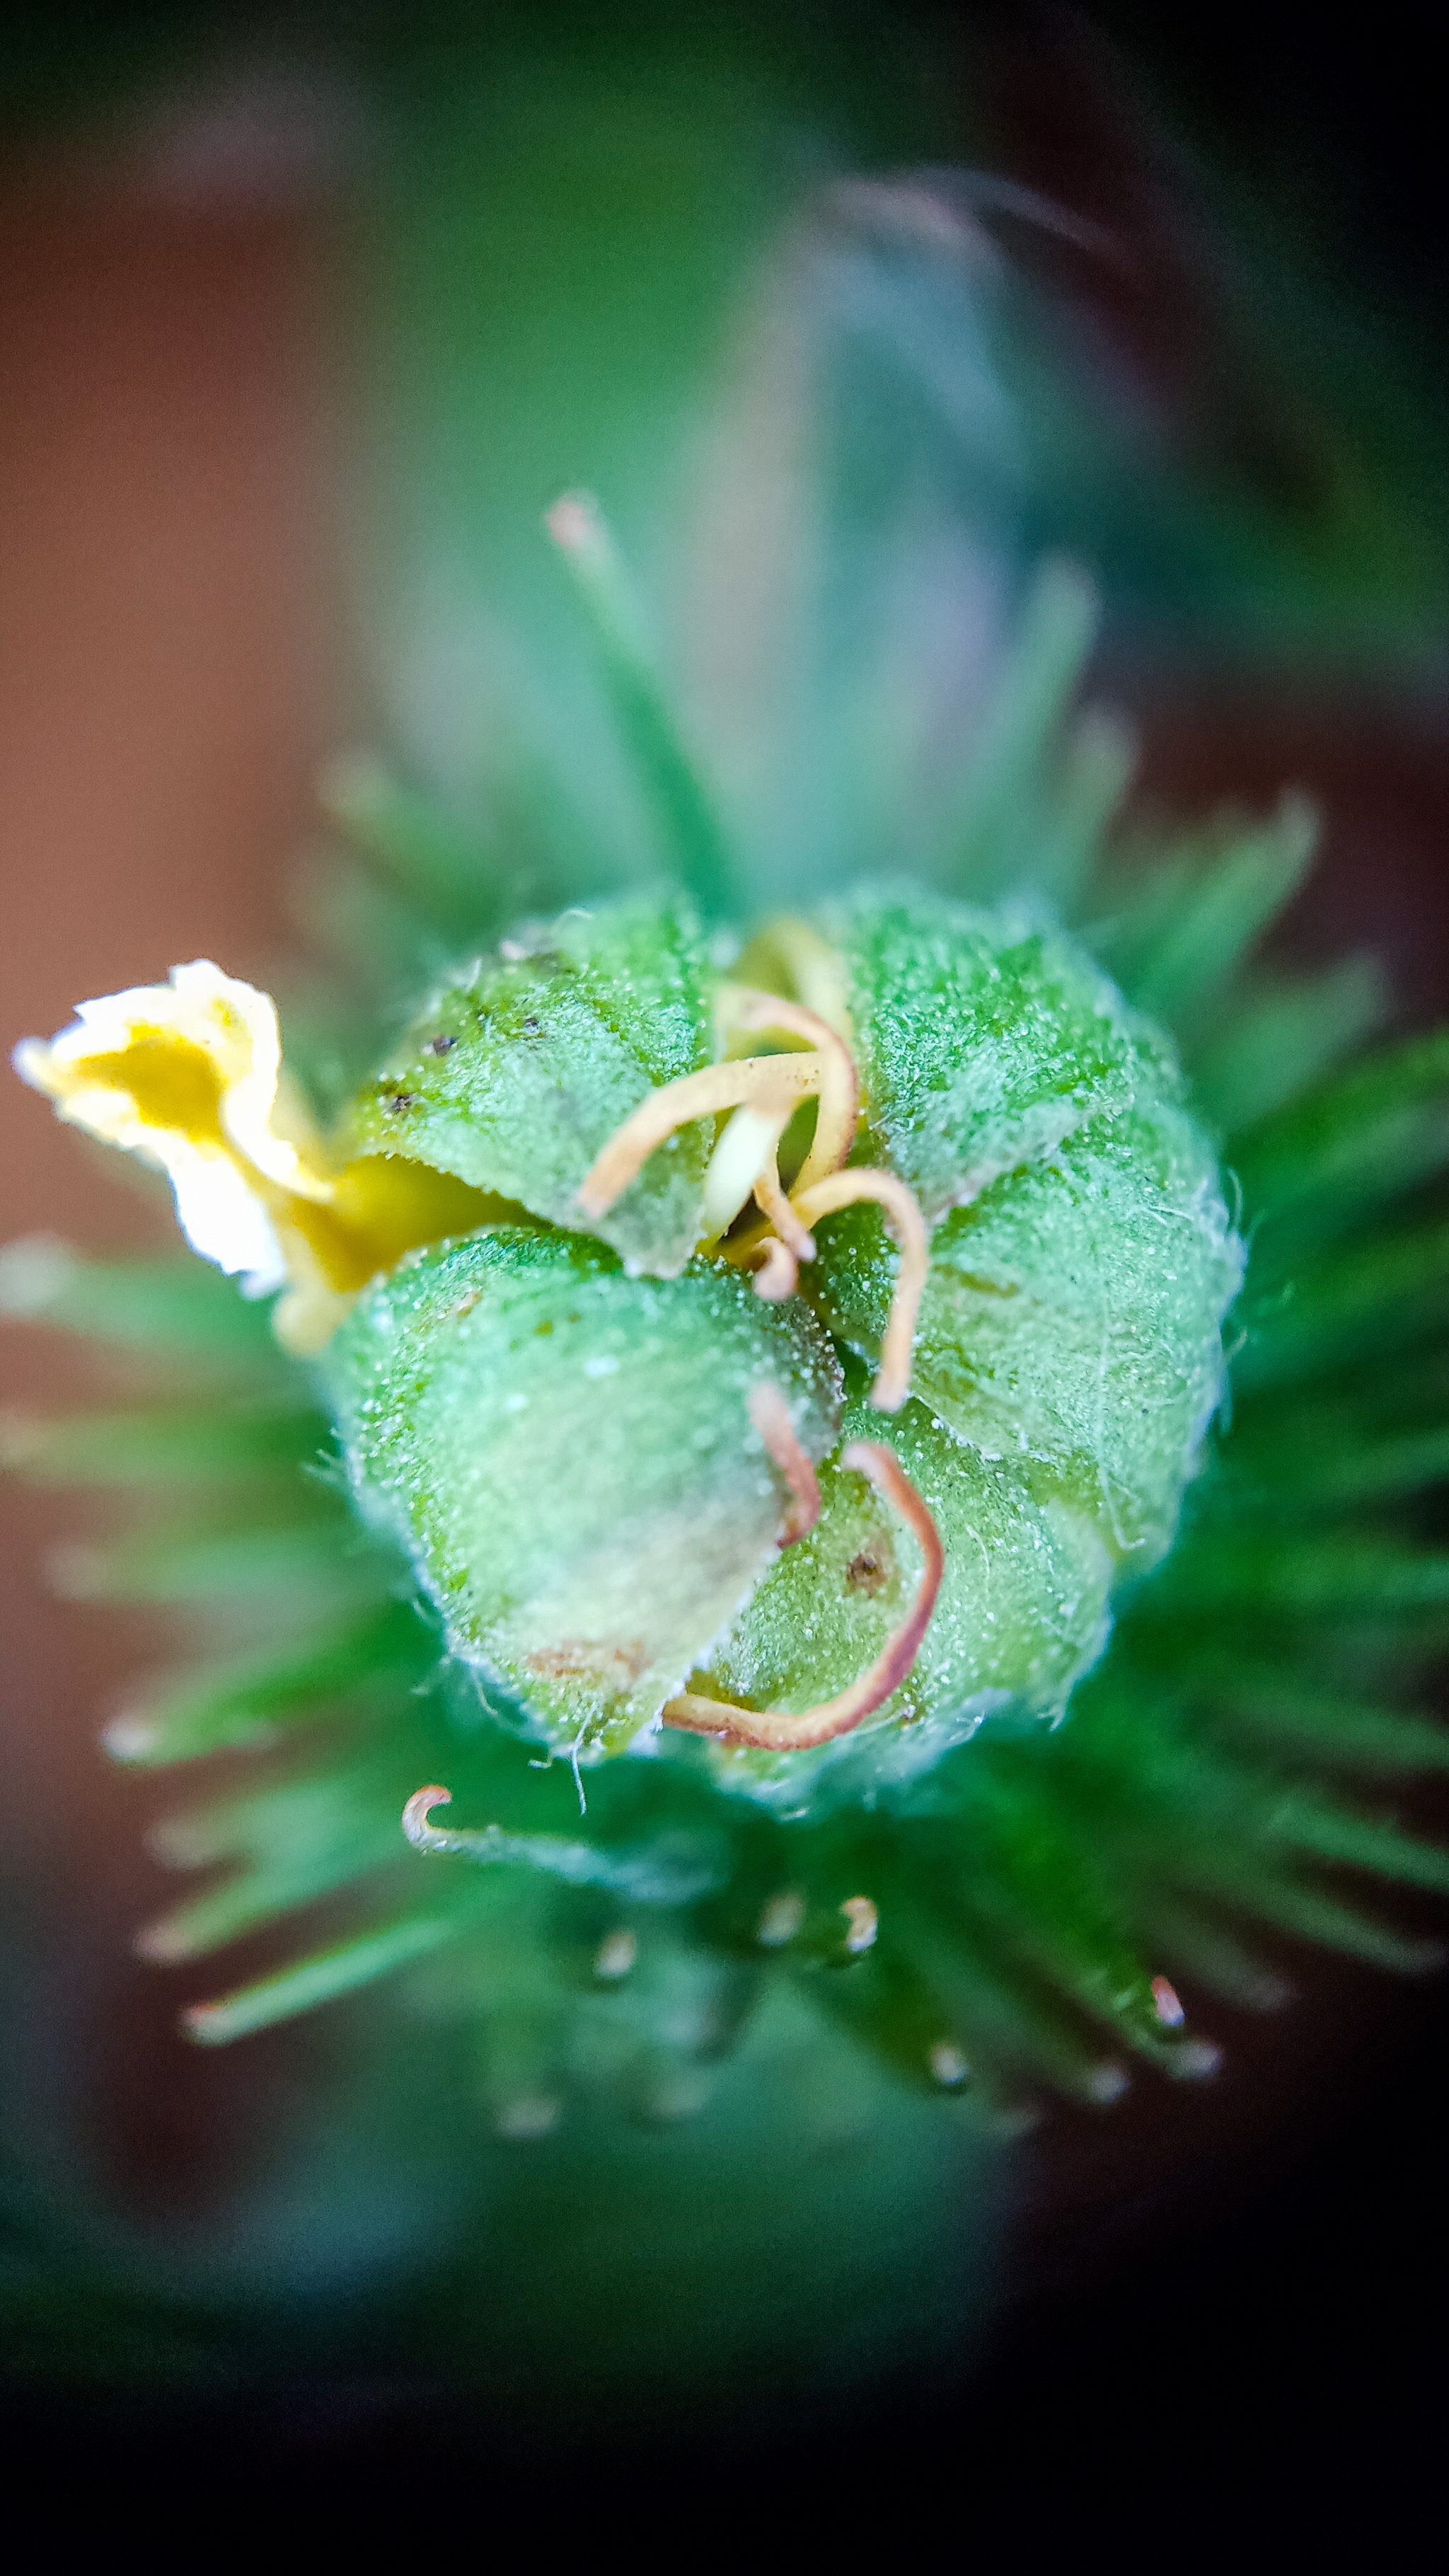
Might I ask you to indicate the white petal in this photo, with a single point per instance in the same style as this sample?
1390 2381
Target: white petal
223 1220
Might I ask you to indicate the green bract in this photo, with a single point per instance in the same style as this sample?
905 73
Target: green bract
516 1075
556 1418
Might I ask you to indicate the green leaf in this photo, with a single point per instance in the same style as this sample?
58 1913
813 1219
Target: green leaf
1065 843
442 872
1178 947
1316 1459
301 1563
1338 1833
988 838
1192 1944
320 1979
237 1443
698 851
935 2015
1392 1285
1299 1574
242 1701
1283 1898
1284 1705
182 1309
1050 1905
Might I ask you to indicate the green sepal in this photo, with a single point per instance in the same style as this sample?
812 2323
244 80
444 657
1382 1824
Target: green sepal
516 1075
568 1455
982 1039
1082 1259
1071 1319
1022 1610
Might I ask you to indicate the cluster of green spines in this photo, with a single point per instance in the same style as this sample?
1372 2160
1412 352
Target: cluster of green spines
1030 1884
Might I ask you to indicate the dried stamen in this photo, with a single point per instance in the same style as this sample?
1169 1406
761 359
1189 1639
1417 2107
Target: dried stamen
778 1275
770 1415
839 1105
771 1199
769 1082
775 1730
844 1189
814 970
765 1090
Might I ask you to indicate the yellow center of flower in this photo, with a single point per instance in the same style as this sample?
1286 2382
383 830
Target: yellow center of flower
172 1083
189 1076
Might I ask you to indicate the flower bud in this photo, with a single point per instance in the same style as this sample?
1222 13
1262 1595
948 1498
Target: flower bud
965 1167
619 1249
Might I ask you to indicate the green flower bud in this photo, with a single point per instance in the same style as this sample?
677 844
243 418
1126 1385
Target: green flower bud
950 1155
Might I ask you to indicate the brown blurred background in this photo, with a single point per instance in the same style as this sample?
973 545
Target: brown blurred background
173 665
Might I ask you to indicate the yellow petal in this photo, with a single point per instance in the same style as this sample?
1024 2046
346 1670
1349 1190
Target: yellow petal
198 1057
189 1076
186 1074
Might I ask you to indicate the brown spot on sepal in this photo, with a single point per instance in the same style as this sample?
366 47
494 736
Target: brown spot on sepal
873 1567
